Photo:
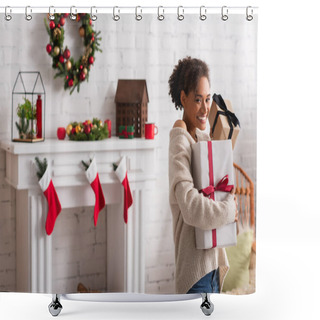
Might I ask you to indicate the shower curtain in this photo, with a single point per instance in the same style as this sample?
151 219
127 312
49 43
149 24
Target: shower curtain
93 244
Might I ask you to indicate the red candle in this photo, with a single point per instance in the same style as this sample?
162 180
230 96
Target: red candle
39 117
108 122
61 133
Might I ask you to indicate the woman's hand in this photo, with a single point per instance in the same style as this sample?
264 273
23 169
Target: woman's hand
236 202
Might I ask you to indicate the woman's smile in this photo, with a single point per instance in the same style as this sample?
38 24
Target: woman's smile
202 119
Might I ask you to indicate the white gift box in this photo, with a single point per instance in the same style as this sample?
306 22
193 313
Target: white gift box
213 161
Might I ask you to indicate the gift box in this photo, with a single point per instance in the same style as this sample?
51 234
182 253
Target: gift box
224 124
212 171
126 132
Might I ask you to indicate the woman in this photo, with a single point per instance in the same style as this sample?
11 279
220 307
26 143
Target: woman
197 271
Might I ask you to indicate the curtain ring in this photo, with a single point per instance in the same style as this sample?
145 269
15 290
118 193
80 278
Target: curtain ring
249 17
203 15
180 15
51 14
93 16
7 16
28 15
73 16
138 16
224 13
116 17
160 16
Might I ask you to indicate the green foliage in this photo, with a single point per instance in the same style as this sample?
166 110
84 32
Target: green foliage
42 167
23 125
86 165
30 111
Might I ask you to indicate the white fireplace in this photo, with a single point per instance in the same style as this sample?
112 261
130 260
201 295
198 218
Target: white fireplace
125 242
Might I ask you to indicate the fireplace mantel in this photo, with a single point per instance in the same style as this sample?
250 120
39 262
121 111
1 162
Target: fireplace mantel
34 260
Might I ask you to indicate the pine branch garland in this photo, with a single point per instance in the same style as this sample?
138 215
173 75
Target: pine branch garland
42 167
86 165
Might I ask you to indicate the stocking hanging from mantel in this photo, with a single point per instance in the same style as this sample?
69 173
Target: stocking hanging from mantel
122 175
93 178
54 206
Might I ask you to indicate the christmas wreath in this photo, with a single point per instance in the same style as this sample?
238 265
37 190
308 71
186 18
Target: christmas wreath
74 72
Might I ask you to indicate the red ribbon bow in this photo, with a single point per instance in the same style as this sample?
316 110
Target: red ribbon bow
221 186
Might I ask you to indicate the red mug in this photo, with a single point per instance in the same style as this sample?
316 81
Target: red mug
150 130
61 133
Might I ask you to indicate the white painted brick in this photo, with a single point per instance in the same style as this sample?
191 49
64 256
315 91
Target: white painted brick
159 258
87 267
5 194
160 273
7 261
126 41
161 244
65 270
167 287
7 278
156 230
152 288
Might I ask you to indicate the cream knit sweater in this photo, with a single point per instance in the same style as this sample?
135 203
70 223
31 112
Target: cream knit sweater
191 209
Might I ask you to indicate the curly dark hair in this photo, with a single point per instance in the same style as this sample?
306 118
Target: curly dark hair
185 76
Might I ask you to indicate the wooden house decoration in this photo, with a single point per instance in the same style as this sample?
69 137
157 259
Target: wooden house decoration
132 105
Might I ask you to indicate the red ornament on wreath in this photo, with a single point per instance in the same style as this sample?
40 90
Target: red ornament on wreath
62 21
82 76
72 71
66 54
49 48
91 60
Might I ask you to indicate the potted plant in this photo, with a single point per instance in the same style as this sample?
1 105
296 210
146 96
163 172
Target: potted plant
26 113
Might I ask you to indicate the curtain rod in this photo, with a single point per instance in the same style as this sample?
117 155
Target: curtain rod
129 10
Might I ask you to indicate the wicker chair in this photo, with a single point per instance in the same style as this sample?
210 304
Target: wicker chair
244 190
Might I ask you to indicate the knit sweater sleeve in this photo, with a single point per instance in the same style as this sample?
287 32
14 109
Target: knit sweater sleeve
196 209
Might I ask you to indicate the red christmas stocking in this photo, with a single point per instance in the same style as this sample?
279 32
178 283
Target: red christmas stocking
93 178
54 206
121 173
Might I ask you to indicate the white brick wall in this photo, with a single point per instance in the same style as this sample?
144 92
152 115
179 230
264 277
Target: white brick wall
147 49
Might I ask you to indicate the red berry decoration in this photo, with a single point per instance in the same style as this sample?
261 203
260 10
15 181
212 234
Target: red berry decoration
90 22
52 25
61 59
81 67
91 60
66 54
92 38
87 129
62 21
82 76
70 83
49 48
